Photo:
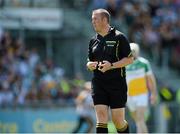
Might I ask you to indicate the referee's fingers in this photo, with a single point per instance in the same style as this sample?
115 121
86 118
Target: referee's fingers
105 61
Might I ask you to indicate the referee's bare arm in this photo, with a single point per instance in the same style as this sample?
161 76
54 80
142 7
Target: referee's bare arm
123 62
106 65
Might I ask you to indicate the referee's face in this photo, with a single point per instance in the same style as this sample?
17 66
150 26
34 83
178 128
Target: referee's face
97 22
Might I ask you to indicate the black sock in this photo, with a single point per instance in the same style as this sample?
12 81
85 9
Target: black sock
101 128
125 129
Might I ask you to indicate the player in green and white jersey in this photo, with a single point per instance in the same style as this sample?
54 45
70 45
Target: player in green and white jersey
141 82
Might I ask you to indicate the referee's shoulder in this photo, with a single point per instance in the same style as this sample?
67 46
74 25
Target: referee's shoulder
92 40
120 34
117 32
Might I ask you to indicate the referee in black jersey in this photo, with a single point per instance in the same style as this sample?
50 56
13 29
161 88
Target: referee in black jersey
108 54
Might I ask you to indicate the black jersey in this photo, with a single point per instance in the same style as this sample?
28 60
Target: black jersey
112 47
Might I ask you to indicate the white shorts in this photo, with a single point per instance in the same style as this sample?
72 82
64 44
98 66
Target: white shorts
133 102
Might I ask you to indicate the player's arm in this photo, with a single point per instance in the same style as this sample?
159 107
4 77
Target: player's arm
80 98
151 83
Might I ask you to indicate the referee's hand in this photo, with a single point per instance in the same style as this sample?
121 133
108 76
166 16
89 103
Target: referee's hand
104 66
91 65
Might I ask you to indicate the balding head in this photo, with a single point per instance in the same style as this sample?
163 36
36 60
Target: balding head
103 13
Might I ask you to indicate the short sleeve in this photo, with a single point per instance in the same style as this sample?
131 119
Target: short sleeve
90 56
123 47
148 68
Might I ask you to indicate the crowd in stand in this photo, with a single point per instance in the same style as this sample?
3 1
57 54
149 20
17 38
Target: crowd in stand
24 77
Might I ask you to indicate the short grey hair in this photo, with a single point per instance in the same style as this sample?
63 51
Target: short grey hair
104 13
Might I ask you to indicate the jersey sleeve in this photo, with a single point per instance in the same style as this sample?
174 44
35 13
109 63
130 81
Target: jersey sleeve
90 56
123 47
148 68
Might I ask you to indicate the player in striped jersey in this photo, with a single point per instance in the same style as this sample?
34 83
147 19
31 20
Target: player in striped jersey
141 84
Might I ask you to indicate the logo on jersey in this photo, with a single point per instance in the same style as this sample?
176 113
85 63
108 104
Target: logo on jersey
110 43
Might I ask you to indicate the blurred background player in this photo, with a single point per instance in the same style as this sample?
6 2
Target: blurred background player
85 109
141 84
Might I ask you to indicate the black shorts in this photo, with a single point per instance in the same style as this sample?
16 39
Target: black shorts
112 93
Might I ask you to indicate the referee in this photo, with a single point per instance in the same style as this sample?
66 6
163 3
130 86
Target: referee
108 54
